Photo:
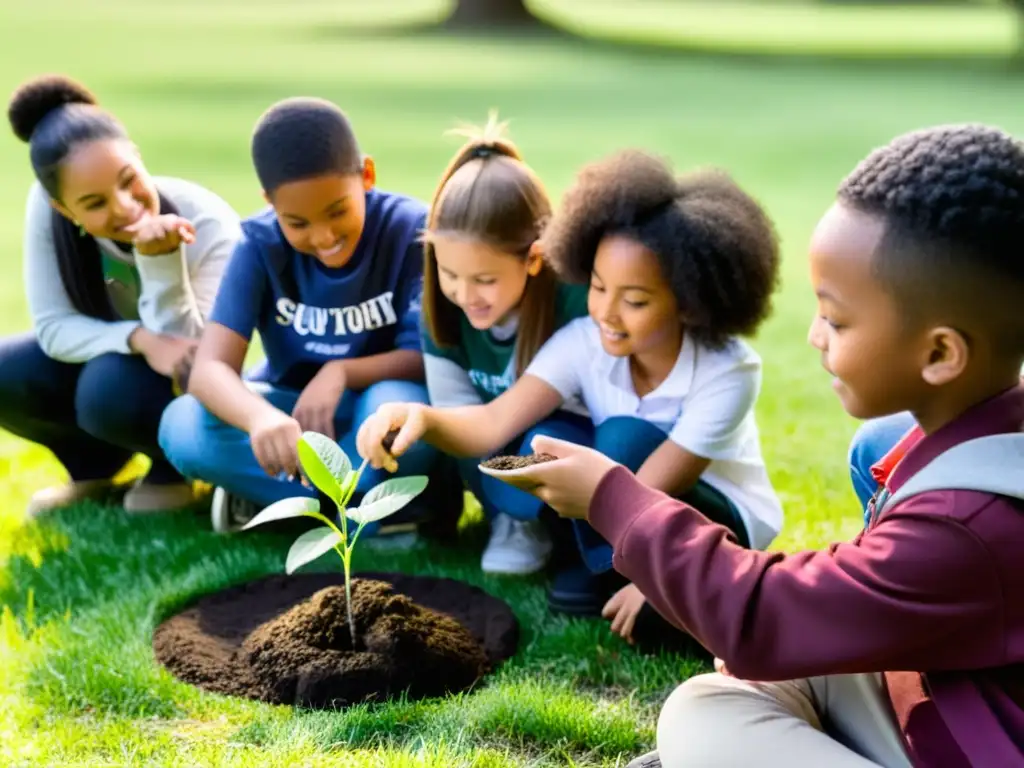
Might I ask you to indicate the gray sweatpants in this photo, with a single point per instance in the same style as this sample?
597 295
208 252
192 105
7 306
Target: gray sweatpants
840 721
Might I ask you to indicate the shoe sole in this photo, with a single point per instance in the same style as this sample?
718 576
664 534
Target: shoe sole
219 512
650 760
526 570
491 571
147 507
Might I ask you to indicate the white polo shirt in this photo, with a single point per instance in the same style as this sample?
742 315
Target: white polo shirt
706 406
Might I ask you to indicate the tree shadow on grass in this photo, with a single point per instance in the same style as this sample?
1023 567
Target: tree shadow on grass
549 33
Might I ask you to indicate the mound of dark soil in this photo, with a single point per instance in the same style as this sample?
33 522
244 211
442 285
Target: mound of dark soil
286 639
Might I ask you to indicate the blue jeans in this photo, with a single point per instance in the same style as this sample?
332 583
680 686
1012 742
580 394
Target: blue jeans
494 495
203 447
870 444
630 442
93 416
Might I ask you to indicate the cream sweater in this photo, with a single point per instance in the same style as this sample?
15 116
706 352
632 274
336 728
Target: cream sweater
177 289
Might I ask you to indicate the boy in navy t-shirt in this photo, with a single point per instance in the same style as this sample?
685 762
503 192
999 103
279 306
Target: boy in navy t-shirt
330 276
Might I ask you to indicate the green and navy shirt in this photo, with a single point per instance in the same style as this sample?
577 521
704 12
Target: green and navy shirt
483 365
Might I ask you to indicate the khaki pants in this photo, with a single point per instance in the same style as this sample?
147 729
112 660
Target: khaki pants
716 720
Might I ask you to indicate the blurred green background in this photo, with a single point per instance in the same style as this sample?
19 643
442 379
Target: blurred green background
190 78
788 96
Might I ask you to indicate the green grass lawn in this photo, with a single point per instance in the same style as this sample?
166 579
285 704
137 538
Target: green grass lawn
84 589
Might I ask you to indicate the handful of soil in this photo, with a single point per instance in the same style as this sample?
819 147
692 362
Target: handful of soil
506 463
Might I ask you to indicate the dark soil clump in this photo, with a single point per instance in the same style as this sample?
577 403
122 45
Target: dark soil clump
505 463
389 439
286 639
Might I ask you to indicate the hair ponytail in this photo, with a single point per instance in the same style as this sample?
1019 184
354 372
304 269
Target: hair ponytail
488 193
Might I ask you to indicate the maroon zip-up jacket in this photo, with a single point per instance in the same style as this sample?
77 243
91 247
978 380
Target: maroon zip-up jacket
931 594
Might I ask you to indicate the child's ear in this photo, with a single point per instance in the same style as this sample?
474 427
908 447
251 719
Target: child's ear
948 356
369 173
535 259
266 197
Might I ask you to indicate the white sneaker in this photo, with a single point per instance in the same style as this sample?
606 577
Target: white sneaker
144 498
650 760
517 547
228 513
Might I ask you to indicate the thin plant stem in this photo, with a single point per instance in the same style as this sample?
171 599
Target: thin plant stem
347 557
346 546
348 600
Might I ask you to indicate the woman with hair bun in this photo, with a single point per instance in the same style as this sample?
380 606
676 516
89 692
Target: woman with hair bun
121 269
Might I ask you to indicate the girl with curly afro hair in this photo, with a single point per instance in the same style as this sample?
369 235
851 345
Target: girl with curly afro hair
121 270
677 269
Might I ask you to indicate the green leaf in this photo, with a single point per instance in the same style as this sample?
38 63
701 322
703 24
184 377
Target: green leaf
387 498
282 510
324 463
309 546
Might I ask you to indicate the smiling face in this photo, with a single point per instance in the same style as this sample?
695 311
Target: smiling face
324 216
874 356
105 187
485 283
631 301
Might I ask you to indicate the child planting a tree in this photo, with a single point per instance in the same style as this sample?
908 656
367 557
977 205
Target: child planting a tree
490 301
677 269
330 276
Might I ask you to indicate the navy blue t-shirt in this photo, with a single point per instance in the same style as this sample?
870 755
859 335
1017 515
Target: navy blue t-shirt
308 314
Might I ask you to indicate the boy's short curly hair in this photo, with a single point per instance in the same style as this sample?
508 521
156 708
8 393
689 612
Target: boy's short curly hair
301 138
718 249
952 198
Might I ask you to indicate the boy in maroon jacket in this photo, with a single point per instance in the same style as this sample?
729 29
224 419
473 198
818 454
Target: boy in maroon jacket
905 646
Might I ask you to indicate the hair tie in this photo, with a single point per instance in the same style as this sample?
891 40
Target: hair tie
483 152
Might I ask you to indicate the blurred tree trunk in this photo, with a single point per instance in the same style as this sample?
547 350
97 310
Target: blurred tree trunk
1018 6
493 14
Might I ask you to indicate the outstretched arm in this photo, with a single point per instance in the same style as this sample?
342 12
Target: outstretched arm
772 616
475 430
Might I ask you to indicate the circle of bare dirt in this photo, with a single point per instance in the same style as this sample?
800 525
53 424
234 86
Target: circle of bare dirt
286 639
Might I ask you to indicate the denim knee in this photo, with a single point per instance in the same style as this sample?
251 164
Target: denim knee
30 381
872 441
397 390
120 400
875 438
627 440
181 434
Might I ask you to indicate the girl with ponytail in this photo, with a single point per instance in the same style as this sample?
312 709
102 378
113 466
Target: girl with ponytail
121 269
490 302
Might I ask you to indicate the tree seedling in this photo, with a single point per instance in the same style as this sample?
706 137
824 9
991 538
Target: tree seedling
330 471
